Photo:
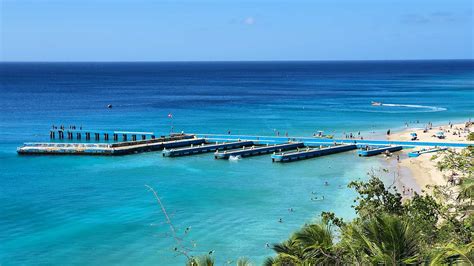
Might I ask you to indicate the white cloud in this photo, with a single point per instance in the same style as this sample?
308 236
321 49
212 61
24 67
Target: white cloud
249 21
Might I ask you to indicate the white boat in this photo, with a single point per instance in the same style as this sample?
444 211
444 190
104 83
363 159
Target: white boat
376 103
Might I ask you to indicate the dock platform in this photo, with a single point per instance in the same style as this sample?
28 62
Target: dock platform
378 150
312 141
203 148
258 150
120 148
424 151
107 135
311 153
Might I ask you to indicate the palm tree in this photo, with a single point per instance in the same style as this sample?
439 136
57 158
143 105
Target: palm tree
452 253
288 252
317 242
205 260
311 245
383 239
244 262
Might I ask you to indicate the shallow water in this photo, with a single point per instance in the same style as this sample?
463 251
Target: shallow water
96 210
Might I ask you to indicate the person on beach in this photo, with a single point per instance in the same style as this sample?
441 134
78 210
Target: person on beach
388 132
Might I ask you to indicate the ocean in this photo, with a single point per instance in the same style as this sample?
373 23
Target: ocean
75 210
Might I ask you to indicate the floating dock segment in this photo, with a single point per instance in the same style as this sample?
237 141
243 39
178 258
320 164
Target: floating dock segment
378 150
205 148
312 141
258 150
423 151
120 148
311 153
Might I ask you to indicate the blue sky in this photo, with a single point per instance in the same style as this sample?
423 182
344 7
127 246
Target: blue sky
146 30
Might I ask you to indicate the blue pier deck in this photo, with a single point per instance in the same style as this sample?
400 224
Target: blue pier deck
424 151
311 153
120 148
259 150
378 150
312 141
203 148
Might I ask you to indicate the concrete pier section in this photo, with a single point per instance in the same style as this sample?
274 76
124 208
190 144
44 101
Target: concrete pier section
120 148
258 150
203 148
371 151
308 153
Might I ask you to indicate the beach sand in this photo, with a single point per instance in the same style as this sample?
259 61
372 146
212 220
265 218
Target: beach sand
418 172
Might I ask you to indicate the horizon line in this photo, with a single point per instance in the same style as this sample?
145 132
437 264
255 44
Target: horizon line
243 61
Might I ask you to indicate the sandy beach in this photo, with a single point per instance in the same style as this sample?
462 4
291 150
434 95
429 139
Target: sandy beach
418 172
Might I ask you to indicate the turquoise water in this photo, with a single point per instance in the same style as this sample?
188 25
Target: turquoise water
96 210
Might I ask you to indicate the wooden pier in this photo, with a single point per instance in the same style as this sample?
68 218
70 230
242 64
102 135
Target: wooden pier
307 153
258 150
120 148
371 151
203 148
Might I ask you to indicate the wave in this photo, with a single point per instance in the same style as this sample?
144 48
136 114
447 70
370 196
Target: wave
432 108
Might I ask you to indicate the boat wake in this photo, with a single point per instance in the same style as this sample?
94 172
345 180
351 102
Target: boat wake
234 158
431 108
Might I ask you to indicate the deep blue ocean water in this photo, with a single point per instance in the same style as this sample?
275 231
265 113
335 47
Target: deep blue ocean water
96 210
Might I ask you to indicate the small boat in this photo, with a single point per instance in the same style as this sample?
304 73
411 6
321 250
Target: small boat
376 103
109 106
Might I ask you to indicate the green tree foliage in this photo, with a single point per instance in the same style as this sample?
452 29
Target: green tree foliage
425 229
456 196
389 230
375 198
470 137
205 260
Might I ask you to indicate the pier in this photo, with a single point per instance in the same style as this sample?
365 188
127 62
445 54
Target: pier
258 150
224 145
308 153
120 148
371 151
96 135
424 151
313 141
203 148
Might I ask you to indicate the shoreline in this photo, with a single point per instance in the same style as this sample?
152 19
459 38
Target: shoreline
418 172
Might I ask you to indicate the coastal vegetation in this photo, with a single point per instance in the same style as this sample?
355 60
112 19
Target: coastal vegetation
433 228
470 137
